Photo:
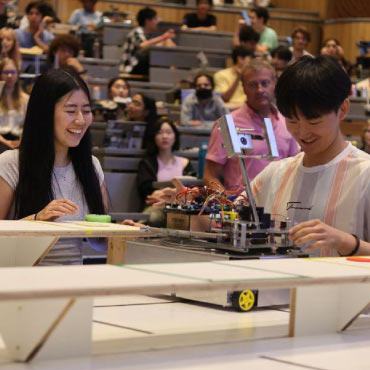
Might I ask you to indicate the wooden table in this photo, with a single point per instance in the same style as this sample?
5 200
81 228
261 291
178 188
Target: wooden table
47 311
26 243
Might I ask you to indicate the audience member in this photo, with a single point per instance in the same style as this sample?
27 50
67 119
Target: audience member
119 90
143 109
228 81
268 37
10 46
201 20
54 162
246 36
13 105
333 48
135 57
86 18
258 79
300 39
8 14
118 93
49 16
204 105
35 34
63 53
280 58
160 164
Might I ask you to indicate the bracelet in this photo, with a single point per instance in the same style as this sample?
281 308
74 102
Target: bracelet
35 216
355 249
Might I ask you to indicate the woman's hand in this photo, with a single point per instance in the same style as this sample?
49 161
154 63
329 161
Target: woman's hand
132 223
320 235
57 208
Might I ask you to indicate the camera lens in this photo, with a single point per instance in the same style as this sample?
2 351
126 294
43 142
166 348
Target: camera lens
243 140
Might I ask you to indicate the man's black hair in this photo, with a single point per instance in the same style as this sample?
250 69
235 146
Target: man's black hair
34 4
313 87
240 51
145 14
247 33
210 2
261 13
283 53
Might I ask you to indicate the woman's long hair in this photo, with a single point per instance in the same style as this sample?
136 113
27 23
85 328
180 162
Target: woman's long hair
37 151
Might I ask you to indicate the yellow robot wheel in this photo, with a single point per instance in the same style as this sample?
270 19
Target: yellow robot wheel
244 300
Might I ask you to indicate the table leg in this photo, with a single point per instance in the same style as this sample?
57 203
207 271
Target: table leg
116 250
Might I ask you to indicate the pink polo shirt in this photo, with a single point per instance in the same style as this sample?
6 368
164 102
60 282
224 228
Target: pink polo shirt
246 117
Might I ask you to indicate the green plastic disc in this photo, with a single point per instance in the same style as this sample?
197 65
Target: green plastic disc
98 218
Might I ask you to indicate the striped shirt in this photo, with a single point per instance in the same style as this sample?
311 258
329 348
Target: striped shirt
337 193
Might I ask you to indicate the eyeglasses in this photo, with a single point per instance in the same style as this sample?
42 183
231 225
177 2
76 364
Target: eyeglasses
9 72
254 84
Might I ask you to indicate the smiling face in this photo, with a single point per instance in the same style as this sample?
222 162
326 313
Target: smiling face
165 137
259 87
72 117
320 138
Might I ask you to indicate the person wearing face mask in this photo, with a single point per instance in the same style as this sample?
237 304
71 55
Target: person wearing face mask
258 78
53 175
203 106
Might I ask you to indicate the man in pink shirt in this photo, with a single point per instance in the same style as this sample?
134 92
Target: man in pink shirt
258 79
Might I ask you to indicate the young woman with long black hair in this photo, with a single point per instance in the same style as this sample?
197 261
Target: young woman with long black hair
53 175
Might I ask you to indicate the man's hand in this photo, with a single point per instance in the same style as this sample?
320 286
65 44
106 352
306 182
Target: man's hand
321 235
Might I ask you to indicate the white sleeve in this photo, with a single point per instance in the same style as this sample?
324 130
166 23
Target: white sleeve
9 167
98 169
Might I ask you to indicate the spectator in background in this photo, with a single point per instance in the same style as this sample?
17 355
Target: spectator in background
204 105
333 48
119 91
49 16
246 36
10 46
119 96
86 18
268 37
35 34
13 105
143 109
280 58
259 80
201 20
135 57
300 39
160 164
228 81
8 14
63 53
